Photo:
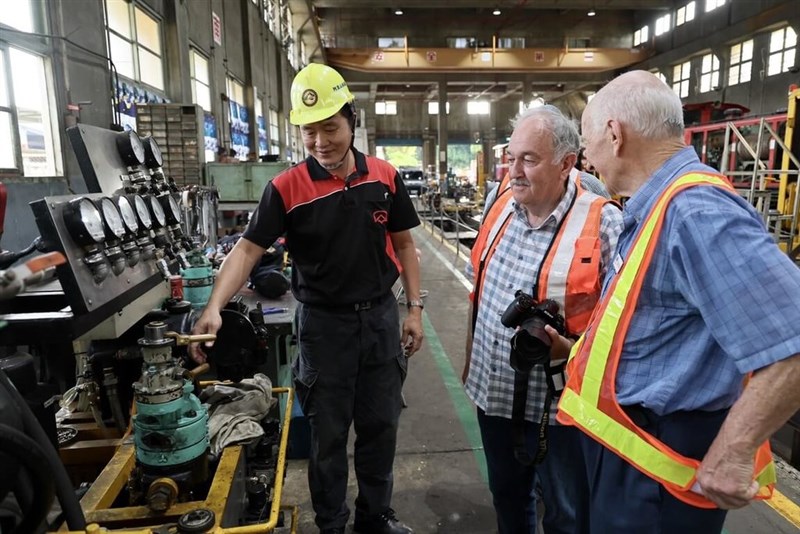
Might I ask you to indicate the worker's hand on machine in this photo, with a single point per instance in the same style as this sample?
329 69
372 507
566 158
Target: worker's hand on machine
209 323
412 335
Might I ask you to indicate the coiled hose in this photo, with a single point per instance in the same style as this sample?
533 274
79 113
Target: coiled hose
66 493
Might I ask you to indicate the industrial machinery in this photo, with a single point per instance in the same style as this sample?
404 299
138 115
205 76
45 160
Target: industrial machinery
170 427
111 314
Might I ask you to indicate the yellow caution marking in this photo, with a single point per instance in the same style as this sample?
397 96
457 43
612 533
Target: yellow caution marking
785 507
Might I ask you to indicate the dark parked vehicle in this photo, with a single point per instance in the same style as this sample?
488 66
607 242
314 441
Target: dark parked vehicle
415 181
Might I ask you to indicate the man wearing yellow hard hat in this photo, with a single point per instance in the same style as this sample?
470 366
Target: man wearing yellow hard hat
347 220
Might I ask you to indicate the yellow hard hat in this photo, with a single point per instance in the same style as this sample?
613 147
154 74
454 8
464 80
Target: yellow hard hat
318 92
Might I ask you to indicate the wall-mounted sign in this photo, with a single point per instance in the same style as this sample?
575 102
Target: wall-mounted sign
538 56
216 28
430 55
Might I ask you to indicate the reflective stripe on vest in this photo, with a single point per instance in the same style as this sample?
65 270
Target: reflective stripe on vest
570 274
589 399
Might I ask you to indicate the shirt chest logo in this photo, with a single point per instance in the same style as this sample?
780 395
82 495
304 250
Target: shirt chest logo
380 216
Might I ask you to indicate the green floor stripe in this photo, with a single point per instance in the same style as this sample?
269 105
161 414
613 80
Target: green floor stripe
464 407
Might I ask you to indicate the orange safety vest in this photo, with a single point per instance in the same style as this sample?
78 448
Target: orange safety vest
589 399
570 274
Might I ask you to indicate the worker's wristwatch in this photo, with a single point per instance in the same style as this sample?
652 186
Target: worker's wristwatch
415 303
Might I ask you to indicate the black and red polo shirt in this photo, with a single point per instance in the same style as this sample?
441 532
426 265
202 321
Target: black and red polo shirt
337 231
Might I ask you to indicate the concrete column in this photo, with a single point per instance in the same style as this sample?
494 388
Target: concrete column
526 91
176 51
441 157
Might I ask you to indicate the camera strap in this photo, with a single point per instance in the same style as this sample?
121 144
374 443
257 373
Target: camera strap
518 414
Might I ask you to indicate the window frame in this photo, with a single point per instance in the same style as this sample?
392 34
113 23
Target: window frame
389 107
193 50
684 65
663 24
52 123
134 42
741 62
641 36
782 52
709 75
686 13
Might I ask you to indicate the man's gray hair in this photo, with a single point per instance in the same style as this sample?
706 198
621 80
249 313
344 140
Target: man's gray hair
566 138
642 103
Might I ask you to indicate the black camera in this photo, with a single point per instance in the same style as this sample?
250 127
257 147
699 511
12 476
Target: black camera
530 345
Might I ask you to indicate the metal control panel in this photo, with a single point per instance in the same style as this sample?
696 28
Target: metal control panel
89 279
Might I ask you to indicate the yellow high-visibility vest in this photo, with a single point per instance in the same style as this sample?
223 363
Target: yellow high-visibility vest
589 399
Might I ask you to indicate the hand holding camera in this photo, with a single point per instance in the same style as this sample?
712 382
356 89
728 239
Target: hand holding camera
530 345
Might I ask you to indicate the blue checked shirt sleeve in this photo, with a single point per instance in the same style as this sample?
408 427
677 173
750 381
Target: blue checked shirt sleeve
610 228
744 287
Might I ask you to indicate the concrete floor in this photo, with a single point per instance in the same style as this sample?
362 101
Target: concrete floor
439 470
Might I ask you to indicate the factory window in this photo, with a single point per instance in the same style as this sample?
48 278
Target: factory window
27 144
660 75
386 107
201 90
684 14
711 5
433 108
391 42
477 107
640 36
741 63
511 42
271 16
19 17
782 44
709 73
134 39
287 39
680 79
274 133
662 24
461 42
261 126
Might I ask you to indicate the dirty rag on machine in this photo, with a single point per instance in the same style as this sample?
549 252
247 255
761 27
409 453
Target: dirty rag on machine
234 410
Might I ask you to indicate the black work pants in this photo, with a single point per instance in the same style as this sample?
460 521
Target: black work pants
350 370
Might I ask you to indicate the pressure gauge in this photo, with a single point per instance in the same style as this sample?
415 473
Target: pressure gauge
152 153
128 215
112 218
171 208
142 213
159 217
130 148
83 221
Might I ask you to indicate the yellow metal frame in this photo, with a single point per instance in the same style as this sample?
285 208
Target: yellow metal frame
114 477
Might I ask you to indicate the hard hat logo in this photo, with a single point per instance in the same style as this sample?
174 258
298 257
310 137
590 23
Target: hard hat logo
318 93
310 97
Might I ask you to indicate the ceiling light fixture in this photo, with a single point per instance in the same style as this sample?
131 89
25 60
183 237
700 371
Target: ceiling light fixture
496 11
591 13
398 11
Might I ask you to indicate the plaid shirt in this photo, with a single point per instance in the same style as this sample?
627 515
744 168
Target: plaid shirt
515 265
719 299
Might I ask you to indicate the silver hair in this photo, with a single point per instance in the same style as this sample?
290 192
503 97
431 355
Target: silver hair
566 138
648 107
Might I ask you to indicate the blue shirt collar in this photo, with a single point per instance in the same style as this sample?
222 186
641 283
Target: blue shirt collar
642 201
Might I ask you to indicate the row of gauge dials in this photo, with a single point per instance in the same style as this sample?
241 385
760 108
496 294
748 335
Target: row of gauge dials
93 221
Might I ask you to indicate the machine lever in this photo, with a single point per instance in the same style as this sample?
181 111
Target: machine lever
185 339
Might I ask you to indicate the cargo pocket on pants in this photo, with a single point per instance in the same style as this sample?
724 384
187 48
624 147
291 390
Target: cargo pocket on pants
304 378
